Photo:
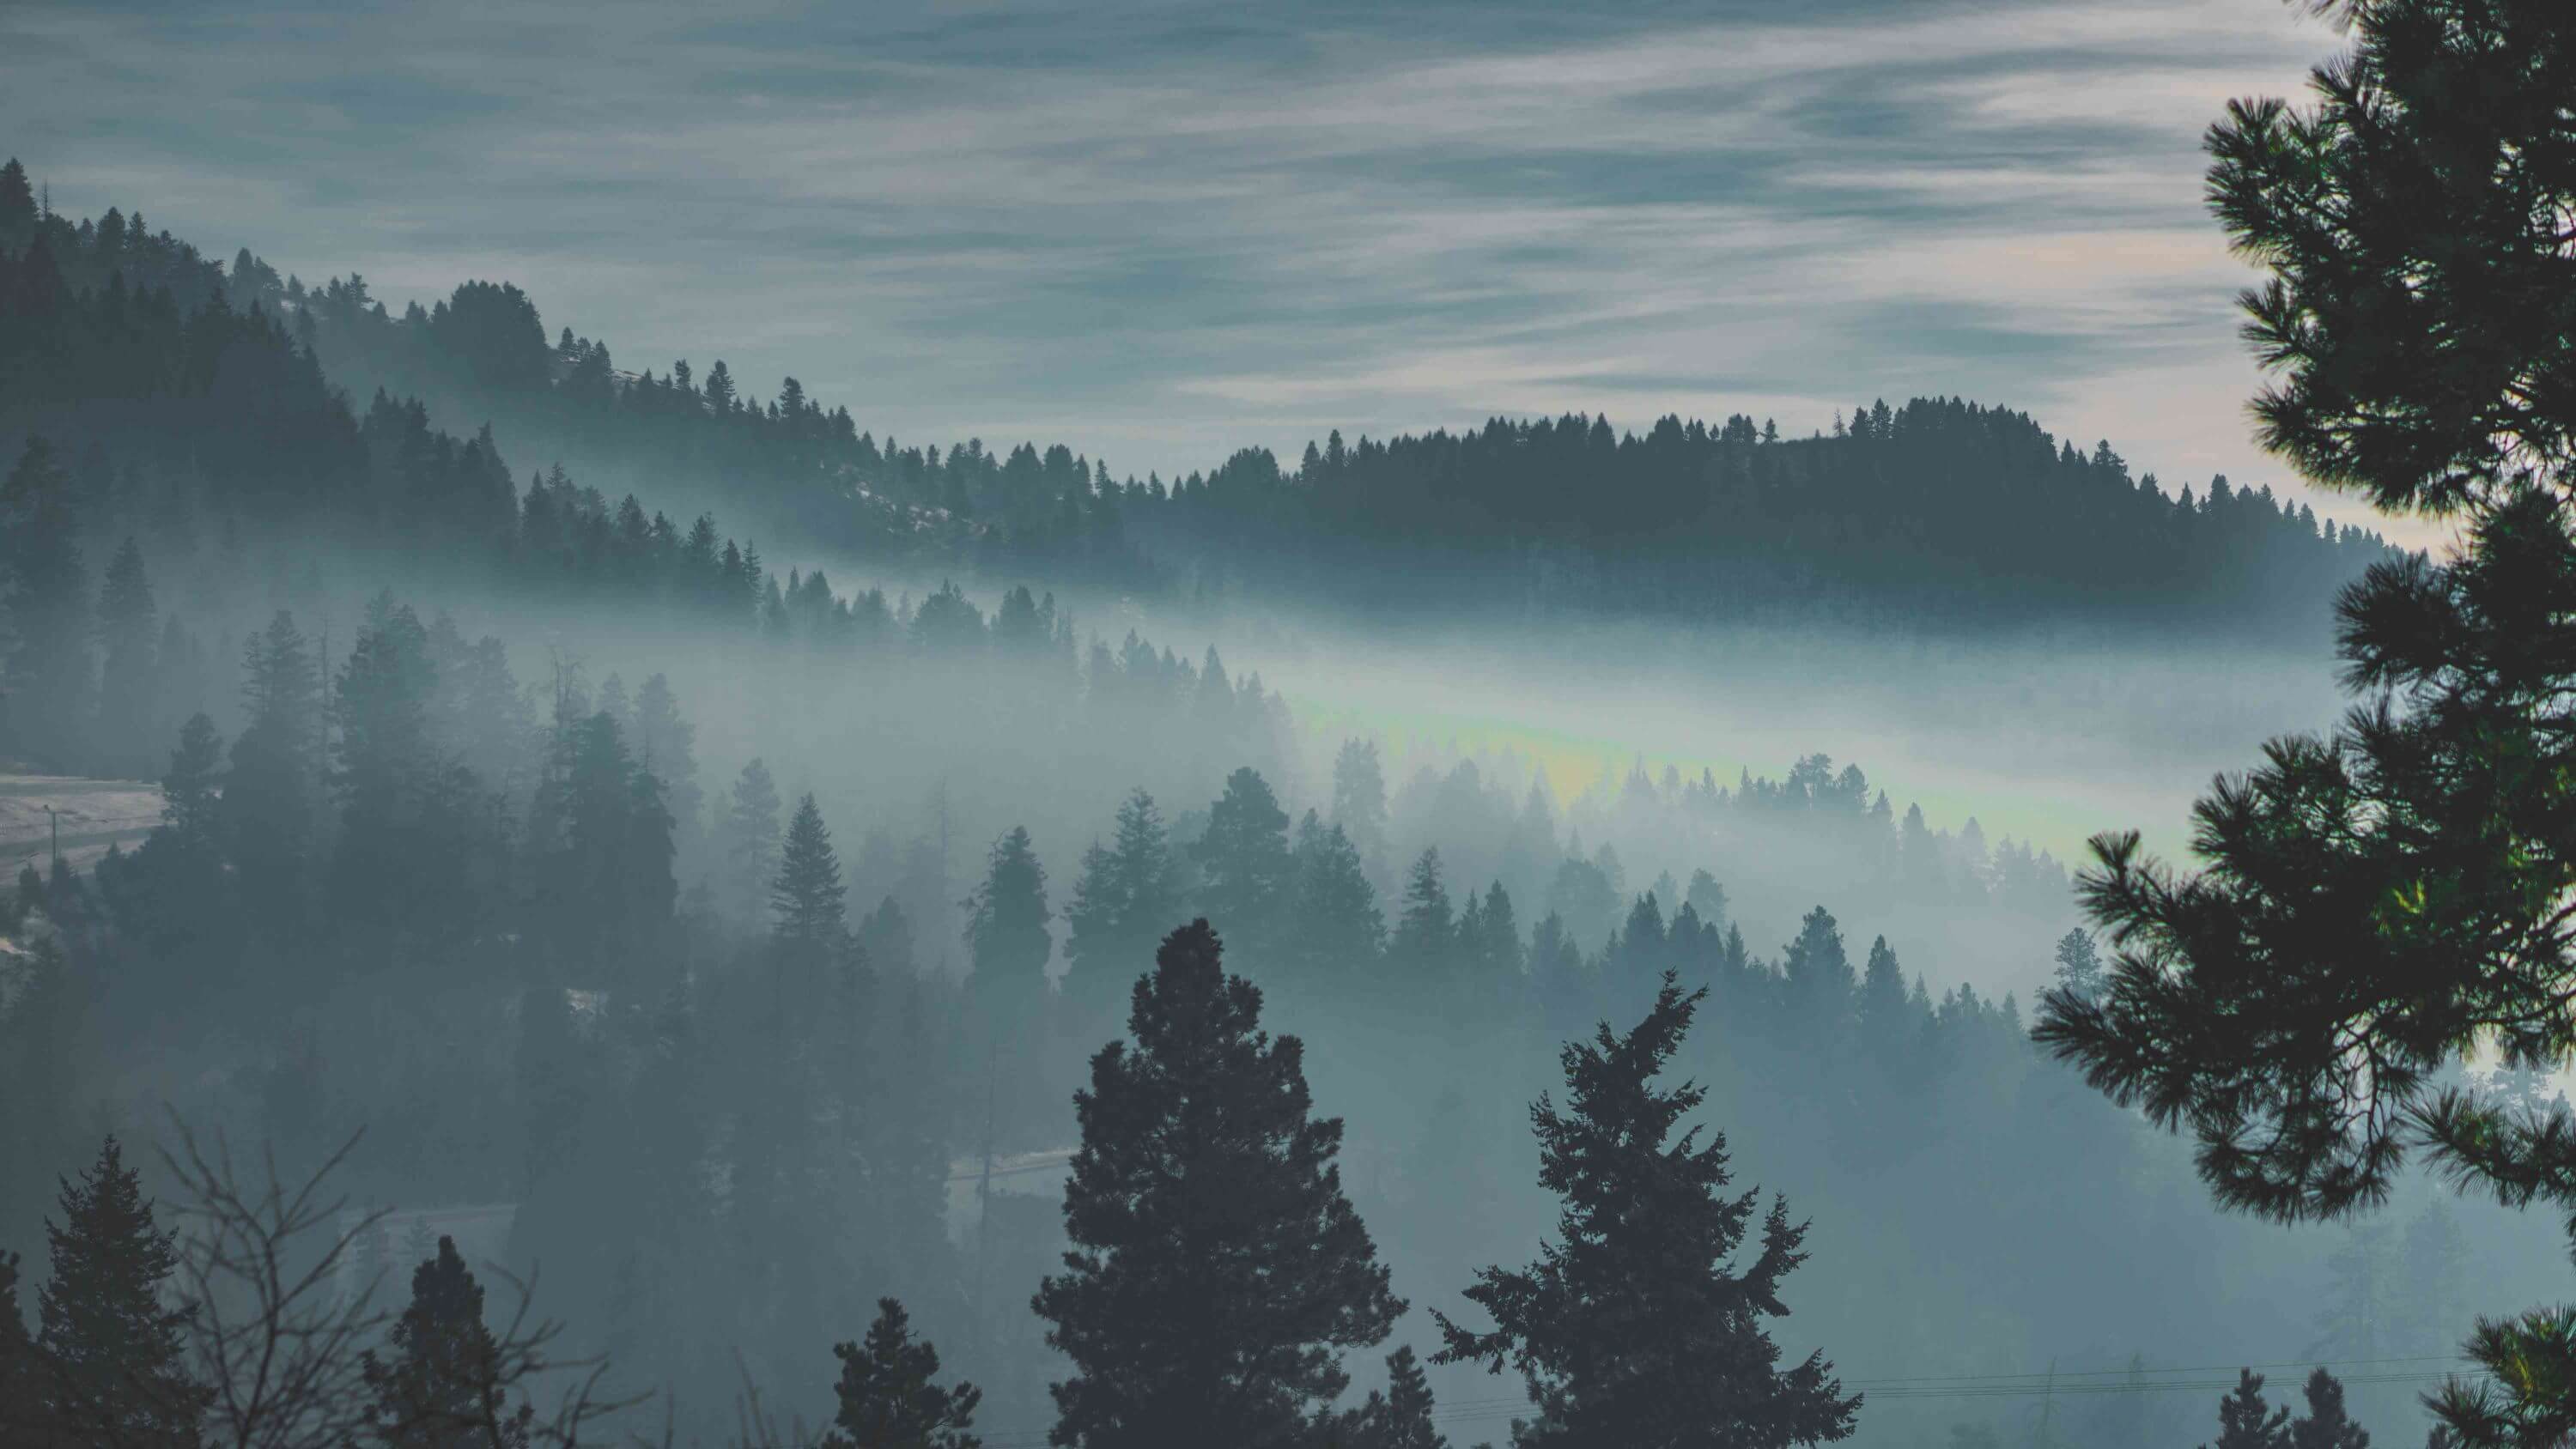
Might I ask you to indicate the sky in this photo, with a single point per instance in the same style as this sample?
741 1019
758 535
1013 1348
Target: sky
1161 230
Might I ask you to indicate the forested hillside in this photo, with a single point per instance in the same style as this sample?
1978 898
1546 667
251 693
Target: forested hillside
1940 512
718 931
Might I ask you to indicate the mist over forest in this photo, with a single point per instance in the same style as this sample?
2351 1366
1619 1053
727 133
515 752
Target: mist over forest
744 930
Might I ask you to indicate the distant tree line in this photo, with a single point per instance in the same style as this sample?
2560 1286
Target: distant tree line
1939 510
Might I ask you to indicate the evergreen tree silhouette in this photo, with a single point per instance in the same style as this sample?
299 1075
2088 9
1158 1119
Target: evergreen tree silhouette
113 1350
2246 1422
439 1384
1244 860
805 897
272 795
1426 934
1006 924
2371 893
889 1395
1217 1271
2079 964
1395 1417
1340 930
2327 1424
1634 1327
1123 903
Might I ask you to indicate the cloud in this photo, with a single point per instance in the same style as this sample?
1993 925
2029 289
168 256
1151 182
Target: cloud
1159 229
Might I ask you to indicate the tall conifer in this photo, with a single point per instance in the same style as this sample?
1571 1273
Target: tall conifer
1636 1327
1218 1272
113 1346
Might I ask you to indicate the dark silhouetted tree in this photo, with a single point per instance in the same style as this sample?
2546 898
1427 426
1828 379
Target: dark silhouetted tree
1217 1271
1123 903
1426 934
1395 1417
440 1383
1244 862
2079 964
805 897
2382 899
1339 929
272 795
2246 1422
889 1394
1006 924
2327 1424
114 1349
1635 1327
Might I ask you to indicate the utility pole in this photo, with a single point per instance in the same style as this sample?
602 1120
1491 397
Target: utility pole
2048 1408
56 817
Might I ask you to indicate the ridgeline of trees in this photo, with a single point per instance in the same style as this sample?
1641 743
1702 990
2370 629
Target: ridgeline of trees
1939 510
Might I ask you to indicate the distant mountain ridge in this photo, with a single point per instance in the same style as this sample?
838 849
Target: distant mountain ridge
1941 512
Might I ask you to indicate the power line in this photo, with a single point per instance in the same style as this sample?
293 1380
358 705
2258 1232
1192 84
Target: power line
1990 1386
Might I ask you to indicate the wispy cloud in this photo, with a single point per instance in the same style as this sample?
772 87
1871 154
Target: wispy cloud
1164 228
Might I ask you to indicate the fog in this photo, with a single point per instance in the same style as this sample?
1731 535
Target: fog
1976 1213
686 866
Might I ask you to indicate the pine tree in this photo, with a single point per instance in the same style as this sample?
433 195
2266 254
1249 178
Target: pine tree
1340 931
1886 1021
1634 1328
272 795
2079 964
805 897
2380 897
1817 977
441 1387
1218 1271
1244 862
173 890
1395 1417
889 1397
1123 903
1006 924
1426 934
17 207
2327 1424
751 836
386 769
129 684
113 1350
2246 1422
